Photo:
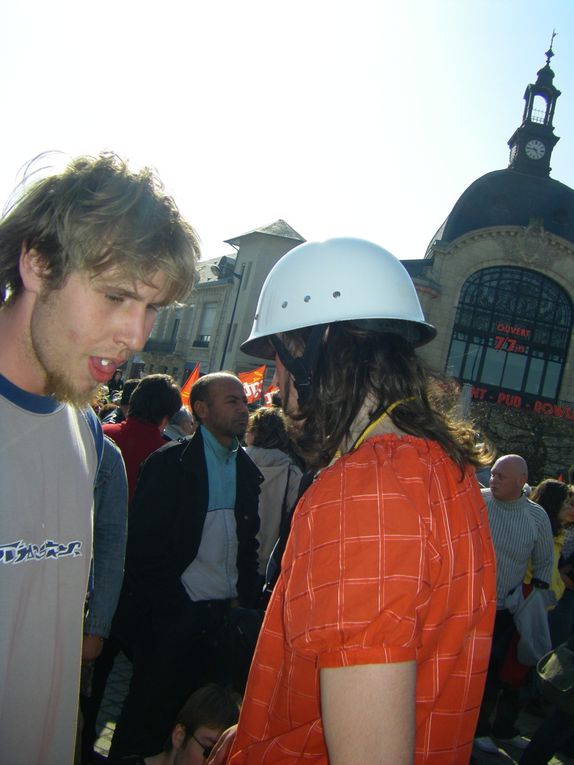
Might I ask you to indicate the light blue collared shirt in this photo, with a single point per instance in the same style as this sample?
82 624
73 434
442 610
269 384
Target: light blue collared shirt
212 575
221 471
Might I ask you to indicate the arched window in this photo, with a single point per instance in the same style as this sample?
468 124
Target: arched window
512 331
540 108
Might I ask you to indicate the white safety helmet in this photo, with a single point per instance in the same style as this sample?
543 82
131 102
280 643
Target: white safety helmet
345 279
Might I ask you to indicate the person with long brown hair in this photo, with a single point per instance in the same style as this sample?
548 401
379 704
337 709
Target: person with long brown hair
267 443
375 644
557 499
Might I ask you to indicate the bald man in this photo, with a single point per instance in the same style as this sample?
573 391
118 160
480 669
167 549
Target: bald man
521 532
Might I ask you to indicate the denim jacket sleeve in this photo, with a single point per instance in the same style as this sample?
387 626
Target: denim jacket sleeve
110 530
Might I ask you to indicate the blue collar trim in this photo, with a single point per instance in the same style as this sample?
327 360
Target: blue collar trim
25 400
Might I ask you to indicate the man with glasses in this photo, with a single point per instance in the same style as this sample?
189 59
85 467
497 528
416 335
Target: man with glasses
208 712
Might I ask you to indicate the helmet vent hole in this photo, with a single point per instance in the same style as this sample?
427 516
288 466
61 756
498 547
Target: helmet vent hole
307 298
284 304
336 294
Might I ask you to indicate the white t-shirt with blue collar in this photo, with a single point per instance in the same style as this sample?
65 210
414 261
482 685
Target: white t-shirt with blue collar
48 461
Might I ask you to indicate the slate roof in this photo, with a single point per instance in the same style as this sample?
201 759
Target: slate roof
509 198
204 269
279 228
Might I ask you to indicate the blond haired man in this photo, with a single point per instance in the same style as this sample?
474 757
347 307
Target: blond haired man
87 257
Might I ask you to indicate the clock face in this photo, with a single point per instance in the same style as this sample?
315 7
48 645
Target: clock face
535 149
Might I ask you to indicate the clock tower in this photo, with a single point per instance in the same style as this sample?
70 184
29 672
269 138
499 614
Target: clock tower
532 143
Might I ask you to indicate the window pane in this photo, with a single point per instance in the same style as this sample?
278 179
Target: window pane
455 358
207 318
534 377
551 378
541 334
188 319
493 367
546 310
482 320
472 360
526 305
514 371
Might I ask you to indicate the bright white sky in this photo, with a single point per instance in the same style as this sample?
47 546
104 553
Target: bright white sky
363 118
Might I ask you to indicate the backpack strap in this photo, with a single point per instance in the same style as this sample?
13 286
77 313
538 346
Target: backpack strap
284 503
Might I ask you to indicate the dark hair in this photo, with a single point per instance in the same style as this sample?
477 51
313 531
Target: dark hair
94 216
129 387
268 427
356 365
551 495
200 388
213 706
155 397
106 409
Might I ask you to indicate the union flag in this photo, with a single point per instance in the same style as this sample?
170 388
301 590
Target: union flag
253 383
186 387
269 393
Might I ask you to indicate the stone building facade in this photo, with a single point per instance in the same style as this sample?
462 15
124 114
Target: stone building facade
498 282
209 328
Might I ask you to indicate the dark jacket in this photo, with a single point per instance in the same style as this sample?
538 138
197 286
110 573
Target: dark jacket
166 520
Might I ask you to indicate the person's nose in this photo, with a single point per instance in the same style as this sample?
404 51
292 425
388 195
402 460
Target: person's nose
134 327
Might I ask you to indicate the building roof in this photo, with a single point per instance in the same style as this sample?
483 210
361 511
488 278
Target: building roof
509 198
204 269
420 272
280 228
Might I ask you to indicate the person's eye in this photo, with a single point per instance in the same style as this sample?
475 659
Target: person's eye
114 298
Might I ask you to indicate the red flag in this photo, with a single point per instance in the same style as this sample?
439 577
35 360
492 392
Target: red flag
186 387
253 383
269 393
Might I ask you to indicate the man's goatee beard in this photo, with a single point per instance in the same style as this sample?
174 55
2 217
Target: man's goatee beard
61 390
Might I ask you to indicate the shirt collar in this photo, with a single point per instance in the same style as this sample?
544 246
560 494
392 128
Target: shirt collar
220 451
25 400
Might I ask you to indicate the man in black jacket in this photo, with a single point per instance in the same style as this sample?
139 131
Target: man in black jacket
191 557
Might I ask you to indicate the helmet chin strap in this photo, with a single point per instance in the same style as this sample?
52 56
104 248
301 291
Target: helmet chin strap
302 367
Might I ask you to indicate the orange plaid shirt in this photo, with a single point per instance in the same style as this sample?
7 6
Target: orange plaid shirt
389 560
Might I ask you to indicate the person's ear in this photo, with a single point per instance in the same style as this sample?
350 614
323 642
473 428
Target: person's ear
200 408
32 269
178 736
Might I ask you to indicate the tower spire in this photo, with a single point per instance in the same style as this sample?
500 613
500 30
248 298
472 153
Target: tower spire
532 143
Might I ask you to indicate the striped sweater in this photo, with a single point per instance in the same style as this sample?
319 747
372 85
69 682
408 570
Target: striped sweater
520 532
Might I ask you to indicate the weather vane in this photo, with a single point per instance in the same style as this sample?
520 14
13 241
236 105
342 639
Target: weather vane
549 53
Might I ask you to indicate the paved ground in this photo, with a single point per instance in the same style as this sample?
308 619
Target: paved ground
120 677
527 725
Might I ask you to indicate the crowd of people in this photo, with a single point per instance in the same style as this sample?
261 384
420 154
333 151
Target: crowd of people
330 565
